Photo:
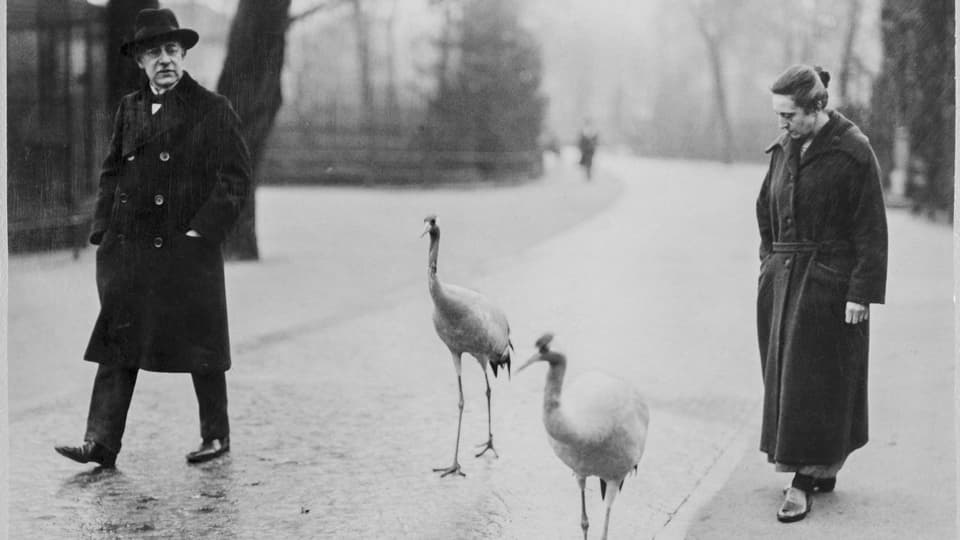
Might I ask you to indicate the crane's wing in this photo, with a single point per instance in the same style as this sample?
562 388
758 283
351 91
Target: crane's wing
598 404
466 321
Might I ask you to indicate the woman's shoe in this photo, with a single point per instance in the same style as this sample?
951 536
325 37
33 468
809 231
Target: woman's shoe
824 485
796 505
820 485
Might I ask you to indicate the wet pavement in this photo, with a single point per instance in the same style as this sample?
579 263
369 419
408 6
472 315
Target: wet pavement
343 399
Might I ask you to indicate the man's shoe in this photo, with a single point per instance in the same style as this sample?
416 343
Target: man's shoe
209 450
89 451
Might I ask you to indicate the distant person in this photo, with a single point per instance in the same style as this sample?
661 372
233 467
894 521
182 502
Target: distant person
823 247
171 187
587 143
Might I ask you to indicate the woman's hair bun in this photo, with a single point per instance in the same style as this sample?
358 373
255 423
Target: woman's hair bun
824 75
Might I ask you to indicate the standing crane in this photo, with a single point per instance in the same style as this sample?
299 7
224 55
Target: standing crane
597 426
466 323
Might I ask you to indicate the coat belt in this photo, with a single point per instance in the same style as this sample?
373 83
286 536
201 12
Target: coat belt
829 246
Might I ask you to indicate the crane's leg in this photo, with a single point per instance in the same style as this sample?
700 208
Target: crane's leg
489 444
584 523
455 468
613 488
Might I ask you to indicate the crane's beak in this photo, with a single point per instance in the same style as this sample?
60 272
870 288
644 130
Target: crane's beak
533 359
426 229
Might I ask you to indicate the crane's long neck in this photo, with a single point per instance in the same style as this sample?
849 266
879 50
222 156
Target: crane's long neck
436 288
553 415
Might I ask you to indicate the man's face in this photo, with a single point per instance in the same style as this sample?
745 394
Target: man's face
163 63
792 118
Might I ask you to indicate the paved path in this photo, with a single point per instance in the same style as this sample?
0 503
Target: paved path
343 398
903 483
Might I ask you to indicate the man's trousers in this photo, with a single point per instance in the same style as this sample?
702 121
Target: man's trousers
113 390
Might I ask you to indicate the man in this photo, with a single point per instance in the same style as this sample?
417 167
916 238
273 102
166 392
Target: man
171 188
587 143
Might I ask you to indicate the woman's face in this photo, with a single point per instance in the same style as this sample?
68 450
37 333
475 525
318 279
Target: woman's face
792 118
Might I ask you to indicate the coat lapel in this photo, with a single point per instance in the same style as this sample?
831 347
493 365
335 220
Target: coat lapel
137 123
170 117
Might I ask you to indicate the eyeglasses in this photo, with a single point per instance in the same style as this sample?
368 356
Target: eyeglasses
172 49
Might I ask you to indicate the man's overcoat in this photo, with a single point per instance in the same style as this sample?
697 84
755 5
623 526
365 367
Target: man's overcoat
823 237
162 297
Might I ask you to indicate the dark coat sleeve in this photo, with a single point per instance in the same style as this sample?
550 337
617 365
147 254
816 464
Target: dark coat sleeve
868 279
763 216
108 180
231 166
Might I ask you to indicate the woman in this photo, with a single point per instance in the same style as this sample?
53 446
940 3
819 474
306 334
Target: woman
823 249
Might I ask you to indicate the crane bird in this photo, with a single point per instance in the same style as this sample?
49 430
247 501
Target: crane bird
597 426
466 323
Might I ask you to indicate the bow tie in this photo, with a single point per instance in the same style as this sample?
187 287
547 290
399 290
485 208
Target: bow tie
154 98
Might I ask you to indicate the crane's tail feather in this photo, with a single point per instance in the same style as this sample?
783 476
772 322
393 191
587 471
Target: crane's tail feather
503 360
603 488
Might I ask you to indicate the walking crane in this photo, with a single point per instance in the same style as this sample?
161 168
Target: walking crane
466 323
597 426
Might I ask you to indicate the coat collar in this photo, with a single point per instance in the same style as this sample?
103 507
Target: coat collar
181 94
830 137
141 126
837 134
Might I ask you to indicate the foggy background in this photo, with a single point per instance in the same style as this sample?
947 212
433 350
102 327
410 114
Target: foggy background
378 92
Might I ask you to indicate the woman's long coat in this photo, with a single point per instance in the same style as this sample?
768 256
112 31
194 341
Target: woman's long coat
162 297
823 236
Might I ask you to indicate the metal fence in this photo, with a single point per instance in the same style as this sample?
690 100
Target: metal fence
57 121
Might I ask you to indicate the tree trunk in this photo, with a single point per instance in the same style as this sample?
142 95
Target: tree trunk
446 43
726 128
123 73
712 42
251 81
846 61
393 102
362 29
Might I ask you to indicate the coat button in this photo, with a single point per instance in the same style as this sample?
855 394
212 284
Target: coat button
164 156
157 242
787 263
130 158
123 198
158 199
120 237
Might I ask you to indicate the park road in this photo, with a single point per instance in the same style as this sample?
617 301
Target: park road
343 398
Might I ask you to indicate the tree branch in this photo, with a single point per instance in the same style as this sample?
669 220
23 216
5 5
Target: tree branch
310 11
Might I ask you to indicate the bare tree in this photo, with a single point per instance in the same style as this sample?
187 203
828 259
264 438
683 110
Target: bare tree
711 23
446 42
361 26
251 80
392 101
847 57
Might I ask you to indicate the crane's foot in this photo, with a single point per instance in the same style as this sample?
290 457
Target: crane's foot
488 446
453 469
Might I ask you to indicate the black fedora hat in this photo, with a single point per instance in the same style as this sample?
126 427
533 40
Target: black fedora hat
157 26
